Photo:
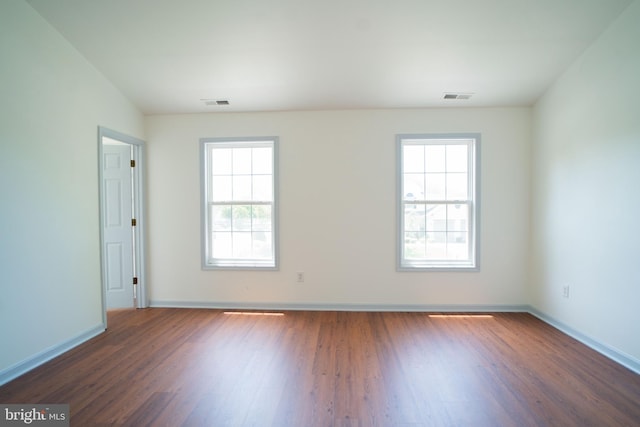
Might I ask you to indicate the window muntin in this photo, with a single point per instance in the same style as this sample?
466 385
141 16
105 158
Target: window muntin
239 203
437 201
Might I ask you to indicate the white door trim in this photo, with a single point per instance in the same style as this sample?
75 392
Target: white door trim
139 213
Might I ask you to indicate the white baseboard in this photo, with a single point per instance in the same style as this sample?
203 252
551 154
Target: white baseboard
610 352
44 356
342 307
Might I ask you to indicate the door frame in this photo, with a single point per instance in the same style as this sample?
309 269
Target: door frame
141 299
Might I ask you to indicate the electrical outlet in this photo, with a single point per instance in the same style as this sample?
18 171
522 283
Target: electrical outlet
300 277
565 291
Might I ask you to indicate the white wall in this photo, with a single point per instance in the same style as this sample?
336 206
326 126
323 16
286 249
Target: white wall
51 103
337 210
586 173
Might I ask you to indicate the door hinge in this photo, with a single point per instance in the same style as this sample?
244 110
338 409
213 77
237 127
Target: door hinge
135 280
133 163
134 222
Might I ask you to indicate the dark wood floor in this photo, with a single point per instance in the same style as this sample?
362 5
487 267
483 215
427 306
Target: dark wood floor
179 367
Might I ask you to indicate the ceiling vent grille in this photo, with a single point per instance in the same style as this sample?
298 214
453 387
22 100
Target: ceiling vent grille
457 95
210 102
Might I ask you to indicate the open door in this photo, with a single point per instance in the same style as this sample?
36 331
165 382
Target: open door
121 220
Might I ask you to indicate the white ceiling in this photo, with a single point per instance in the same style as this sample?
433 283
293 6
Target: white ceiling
262 55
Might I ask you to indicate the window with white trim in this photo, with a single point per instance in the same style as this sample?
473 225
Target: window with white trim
438 202
239 195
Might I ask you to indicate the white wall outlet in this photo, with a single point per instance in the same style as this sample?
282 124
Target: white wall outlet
565 291
300 277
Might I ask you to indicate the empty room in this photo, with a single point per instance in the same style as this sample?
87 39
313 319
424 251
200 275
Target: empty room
320 213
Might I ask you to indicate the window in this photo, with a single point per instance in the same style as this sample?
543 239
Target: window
239 194
438 202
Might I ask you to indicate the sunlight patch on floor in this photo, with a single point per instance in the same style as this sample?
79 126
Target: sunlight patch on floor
461 316
253 313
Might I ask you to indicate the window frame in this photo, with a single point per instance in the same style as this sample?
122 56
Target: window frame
207 260
473 201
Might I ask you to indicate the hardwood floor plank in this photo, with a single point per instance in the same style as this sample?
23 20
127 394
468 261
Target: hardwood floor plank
180 367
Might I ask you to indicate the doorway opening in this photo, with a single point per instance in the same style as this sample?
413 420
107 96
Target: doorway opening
122 227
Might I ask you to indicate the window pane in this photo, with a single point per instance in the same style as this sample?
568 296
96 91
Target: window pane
220 218
414 217
435 158
241 161
414 245
436 189
436 217
262 244
457 246
221 245
261 218
413 158
221 188
413 186
261 188
457 237
262 160
221 161
457 186
242 187
241 217
436 245
457 158
457 217
241 244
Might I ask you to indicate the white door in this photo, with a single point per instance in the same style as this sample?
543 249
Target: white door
117 227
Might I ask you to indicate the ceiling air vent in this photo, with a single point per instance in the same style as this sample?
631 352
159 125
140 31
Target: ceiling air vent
215 101
457 95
